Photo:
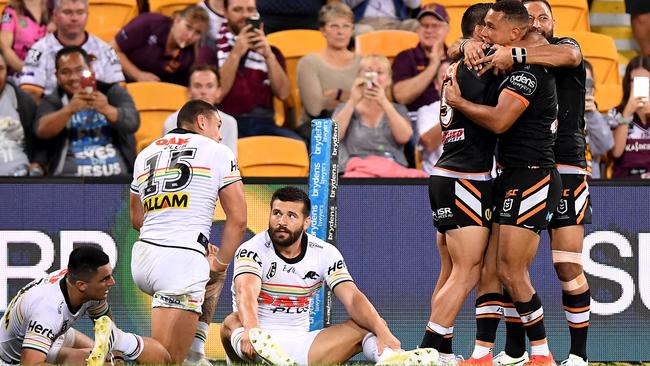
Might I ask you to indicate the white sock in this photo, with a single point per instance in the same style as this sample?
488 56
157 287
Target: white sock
480 351
131 345
198 343
235 341
369 345
446 356
540 349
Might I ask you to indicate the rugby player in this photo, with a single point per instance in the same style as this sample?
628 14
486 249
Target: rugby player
276 274
460 195
37 326
566 229
176 182
528 188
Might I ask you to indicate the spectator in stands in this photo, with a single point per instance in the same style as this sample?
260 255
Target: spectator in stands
283 15
17 112
70 18
215 10
153 47
372 129
90 129
599 135
415 69
370 15
325 78
632 134
640 21
23 23
252 72
204 85
428 126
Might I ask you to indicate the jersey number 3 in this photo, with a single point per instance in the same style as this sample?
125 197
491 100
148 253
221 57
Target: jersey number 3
175 176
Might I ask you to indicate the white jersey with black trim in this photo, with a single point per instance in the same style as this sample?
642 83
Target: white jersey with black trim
288 285
39 66
39 314
178 178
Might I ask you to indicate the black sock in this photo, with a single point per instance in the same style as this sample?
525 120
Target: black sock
532 317
488 316
515 332
431 339
576 309
446 345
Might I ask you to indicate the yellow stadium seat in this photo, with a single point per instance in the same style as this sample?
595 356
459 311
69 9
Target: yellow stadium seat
107 34
168 7
455 9
608 96
570 15
272 156
294 44
155 101
385 42
601 52
110 14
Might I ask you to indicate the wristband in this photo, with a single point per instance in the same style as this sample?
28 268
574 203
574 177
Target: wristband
519 55
462 47
623 120
339 92
220 262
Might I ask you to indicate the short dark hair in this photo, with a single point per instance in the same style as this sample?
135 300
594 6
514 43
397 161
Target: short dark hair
191 110
293 194
514 11
550 8
84 262
473 16
204 67
68 50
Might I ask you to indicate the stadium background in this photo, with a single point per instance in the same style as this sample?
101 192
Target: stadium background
384 233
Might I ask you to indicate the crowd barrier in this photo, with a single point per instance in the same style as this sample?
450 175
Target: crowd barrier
384 232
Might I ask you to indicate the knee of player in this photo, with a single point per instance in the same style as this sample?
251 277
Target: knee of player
567 271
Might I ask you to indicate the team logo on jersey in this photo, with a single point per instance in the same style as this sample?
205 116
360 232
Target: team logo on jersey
111 55
524 82
165 201
33 56
507 204
311 275
562 207
453 135
271 271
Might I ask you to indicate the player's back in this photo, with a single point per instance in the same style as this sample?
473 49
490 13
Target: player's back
178 178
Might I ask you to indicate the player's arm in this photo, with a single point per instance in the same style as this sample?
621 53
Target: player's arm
30 356
364 313
247 289
565 54
233 203
137 213
497 119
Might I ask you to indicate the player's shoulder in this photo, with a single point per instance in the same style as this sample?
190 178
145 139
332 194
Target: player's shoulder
316 244
261 241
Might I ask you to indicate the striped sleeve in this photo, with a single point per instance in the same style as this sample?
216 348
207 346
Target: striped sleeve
98 309
247 261
135 189
334 268
40 332
228 168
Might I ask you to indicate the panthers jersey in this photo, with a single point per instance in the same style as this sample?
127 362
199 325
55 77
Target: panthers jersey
39 314
39 67
288 284
178 178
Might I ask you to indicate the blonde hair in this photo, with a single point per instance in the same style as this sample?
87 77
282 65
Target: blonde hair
194 13
386 63
332 10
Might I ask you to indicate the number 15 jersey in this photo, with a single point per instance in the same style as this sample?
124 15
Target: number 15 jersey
178 178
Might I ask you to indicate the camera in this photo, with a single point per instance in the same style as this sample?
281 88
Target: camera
255 21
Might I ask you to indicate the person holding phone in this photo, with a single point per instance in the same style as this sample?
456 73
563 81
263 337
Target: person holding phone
599 135
88 124
631 149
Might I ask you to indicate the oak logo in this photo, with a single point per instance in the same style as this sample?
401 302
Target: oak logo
165 201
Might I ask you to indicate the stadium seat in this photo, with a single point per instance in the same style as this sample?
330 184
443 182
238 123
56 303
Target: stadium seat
294 44
168 7
107 34
608 96
3 3
109 14
601 52
385 42
272 156
455 9
154 101
570 15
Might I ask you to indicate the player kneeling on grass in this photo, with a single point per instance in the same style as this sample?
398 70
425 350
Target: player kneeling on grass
276 274
37 326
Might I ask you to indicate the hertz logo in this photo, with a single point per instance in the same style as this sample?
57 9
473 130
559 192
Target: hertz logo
165 201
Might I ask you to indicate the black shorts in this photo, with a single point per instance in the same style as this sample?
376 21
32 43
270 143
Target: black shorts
457 203
574 207
637 6
526 197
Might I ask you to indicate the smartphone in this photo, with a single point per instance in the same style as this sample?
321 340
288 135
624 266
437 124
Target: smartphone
589 86
88 82
371 78
255 21
641 87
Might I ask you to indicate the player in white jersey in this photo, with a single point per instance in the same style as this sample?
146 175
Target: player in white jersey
276 275
176 183
37 326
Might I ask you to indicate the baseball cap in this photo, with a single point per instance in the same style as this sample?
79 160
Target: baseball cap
434 9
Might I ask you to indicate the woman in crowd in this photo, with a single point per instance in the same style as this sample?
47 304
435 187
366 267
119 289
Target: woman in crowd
599 135
23 23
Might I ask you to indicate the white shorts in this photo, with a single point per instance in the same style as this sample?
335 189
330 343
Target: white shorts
295 343
175 277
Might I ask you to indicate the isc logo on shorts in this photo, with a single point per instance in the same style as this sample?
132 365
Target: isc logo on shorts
453 135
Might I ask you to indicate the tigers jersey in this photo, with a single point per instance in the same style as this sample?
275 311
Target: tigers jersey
178 178
288 285
39 67
39 314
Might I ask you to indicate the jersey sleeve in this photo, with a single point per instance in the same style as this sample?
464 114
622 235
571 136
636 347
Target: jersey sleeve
110 69
98 309
569 41
135 186
334 269
41 327
35 67
8 20
226 166
523 82
247 260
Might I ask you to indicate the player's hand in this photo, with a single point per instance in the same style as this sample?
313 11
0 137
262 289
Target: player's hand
474 51
452 94
145 76
215 266
500 61
387 341
590 103
246 345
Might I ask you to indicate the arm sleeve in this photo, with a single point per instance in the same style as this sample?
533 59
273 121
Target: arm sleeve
247 261
523 84
600 135
46 107
36 65
311 90
110 69
133 35
402 68
8 20
98 309
135 187
41 328
128 119
334 269
226 166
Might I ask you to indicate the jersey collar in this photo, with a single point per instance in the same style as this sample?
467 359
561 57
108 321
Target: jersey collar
299 257
63 284
181 131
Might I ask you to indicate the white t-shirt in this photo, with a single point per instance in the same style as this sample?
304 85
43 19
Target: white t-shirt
180 197
216 20
428 118
39 314
288 285
39 67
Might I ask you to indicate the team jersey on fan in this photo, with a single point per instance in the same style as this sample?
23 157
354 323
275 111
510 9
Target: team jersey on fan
178 178
635 161
39 66
529 141
467 147
288 285
39 314
570 145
